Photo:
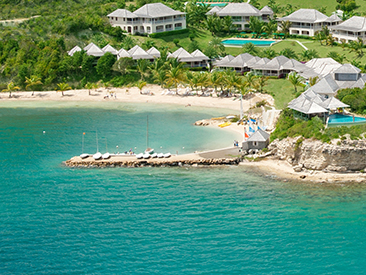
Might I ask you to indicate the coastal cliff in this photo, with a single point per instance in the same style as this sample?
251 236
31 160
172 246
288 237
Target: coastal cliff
337 156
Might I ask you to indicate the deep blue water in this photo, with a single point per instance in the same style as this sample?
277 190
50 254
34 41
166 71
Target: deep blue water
57 220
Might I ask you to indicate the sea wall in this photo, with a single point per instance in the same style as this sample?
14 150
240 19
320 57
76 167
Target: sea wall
338 156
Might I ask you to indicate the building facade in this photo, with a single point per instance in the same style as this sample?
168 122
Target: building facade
150 18
350 30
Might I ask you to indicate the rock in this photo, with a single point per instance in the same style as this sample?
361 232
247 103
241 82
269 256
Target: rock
297 168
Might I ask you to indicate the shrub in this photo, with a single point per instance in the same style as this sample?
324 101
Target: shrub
168 33
261 103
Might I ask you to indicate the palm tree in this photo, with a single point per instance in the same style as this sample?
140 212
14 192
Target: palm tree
148 44
10 88
306 55
295 80
62 87
160 76
174 76
357 47
140 85
250 48
251 79
285 27
203 80
216 79
32 81
269 53
313 80
255 25
260 83
218 46
232 81
89 86
128 42
142 67
289 53
337 57
244 86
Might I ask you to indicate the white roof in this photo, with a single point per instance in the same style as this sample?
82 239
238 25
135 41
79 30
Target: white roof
156 10
89 46
306 106
110 49
275 64
266 10
223 61
334 103
138 53
305 15
198 53
323 66
154 52
240 61
259 135
347 69
354 24
74 50
94 50
326 86
239 9
123 53
122 13
214 10
183 56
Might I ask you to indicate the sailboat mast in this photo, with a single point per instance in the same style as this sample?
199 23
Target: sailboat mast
82 144
147 131
96 136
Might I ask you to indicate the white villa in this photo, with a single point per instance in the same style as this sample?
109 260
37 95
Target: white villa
309 21
350 30
241 12
150 18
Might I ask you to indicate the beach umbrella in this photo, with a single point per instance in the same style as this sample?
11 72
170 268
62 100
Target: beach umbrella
263 33
254 33
281 34
243 33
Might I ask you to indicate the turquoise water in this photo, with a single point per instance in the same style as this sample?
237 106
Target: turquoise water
241 42
227 220
338 118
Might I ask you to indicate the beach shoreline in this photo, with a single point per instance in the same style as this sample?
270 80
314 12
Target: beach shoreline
282 170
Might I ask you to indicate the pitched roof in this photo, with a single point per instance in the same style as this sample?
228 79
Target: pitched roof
94 50
333 18
184 56
138 53
154 52
123 53
347 69
266 10
323 66
89 46
214 10
156 10
307 106
122 13
224 61
326 85
110 49
240 61
259 135
239 9
74 50
354 24
305 15
334 103
198 53
275 64
293 64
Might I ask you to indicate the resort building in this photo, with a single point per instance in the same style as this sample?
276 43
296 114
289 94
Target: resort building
241 12
194 59
350 30
150 18
257 141
308 21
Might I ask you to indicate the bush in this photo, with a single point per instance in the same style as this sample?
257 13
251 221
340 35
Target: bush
168 33
261 103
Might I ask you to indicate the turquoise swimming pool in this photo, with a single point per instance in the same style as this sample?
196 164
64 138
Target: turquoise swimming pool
344 120
241 42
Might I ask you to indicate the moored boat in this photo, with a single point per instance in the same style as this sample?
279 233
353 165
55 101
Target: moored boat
97 156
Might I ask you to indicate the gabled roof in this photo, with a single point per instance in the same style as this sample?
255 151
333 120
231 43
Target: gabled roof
266 10
354 24
214 10
239 9
240 61
110 49
326 85
305 15
198 53
154 52
123 53
275 64
224 61
333 18
122 13
138 53
180 54
94 50
293 64
89 46
74 50
307 106
259 135
323 66
347 69
333 103
156 10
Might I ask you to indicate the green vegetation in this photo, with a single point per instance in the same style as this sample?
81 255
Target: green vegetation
289 126
355 98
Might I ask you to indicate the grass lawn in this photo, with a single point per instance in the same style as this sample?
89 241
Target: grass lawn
282 91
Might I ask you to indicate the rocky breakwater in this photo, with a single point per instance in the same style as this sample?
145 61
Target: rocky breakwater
77 162
337 156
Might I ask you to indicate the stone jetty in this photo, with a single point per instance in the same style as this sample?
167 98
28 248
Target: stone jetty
226 156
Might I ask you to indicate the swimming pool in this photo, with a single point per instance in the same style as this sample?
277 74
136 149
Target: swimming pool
241 42
344 120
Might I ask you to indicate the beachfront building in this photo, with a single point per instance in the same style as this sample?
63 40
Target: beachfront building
194 59
308 21
150 18
257 141
350 30
241 12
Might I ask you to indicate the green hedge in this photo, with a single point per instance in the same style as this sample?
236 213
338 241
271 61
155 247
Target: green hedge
301 36
168 33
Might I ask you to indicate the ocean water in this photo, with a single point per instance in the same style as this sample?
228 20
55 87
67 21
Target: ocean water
227 220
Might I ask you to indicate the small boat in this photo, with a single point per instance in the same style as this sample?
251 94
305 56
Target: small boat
167 155
225 124
97 156
154 155
149 151
139 156
146 156
84 156
106 156
160 155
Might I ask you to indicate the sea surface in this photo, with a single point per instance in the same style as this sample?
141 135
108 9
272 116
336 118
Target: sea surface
227 220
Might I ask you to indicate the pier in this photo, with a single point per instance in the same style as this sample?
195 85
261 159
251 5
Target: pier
225 156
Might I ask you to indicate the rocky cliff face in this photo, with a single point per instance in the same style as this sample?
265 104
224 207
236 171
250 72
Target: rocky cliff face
339 156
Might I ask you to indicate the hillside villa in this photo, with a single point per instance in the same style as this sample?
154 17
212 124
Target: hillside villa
241 12
309 21
150 18
350 30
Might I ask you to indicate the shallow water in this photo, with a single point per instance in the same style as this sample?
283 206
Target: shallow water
225 220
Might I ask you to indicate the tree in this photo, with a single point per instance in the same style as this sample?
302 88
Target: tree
337 57
306 55
255 25
357 47
11 88
62 87
285 27
313 80
232 80
174 76
260 82
218 46
289 53
140 85
105 63
216 79
250 48
295 79
89 86
123 65
203 80
142 67
32 81
269 53
148 44
128 43
196 14
193 46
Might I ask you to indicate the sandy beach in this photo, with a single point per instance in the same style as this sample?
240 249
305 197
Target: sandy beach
284 171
